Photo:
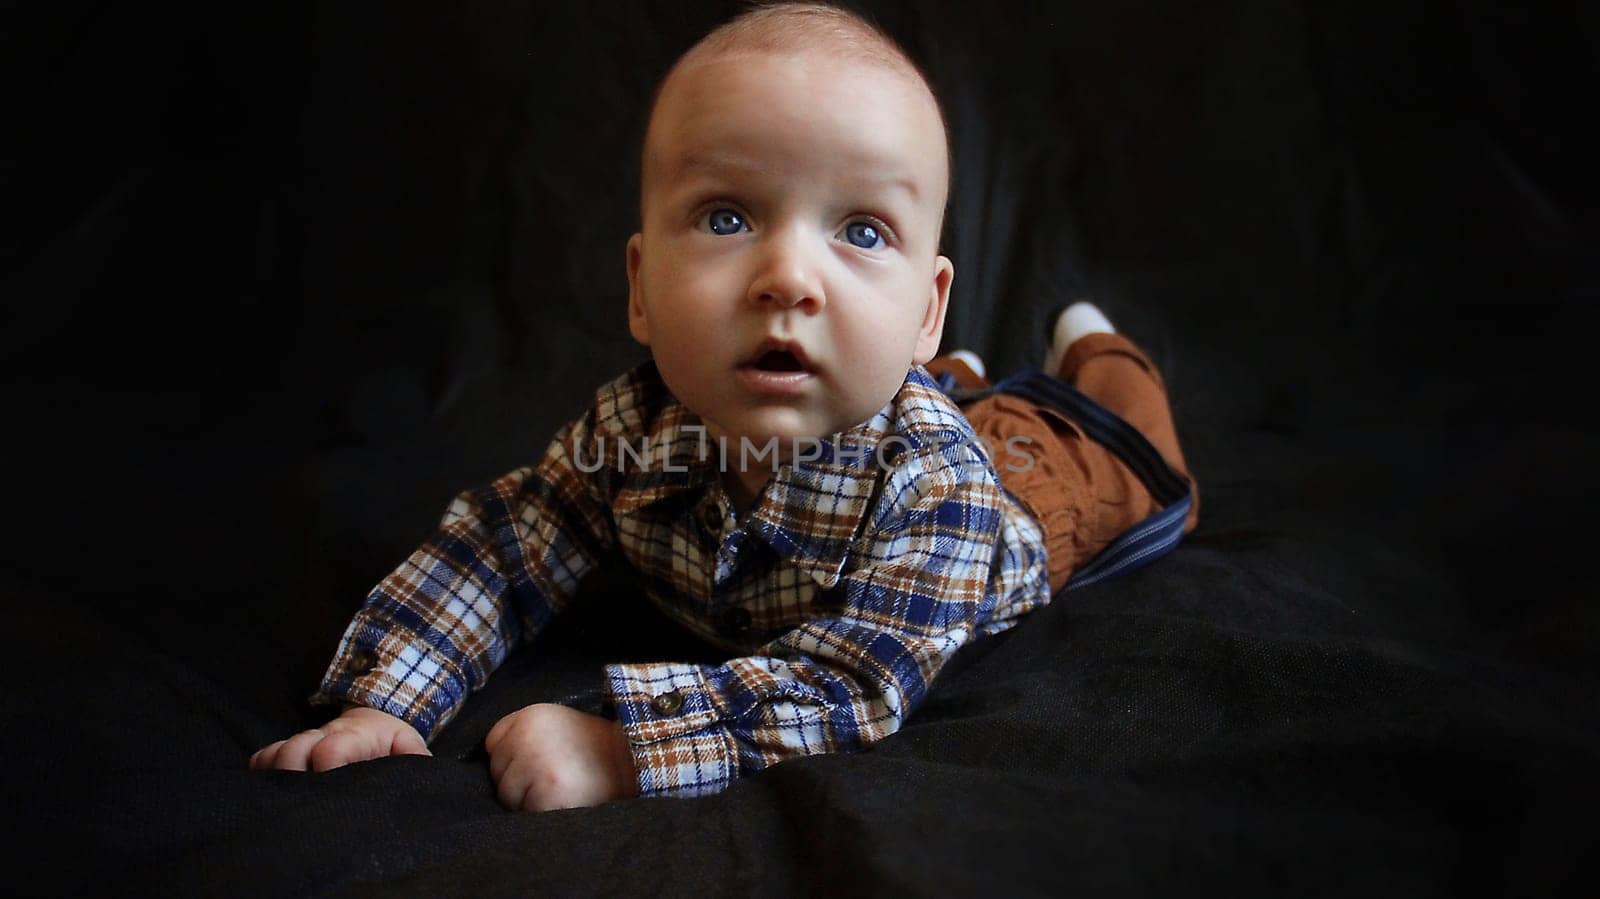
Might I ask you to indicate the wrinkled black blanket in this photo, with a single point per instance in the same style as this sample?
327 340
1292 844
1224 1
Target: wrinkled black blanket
280 278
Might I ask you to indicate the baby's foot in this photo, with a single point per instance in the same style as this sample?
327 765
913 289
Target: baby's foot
1075 321
958 369
972 361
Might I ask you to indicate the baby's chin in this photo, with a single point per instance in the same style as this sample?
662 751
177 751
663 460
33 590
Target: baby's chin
784 440
787 432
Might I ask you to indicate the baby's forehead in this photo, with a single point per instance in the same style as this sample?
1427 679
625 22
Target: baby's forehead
694 100
844 61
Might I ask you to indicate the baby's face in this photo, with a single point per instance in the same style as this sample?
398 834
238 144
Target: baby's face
788 274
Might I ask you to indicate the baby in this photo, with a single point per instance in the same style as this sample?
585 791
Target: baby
784 477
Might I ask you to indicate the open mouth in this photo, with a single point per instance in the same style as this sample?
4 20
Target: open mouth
778 370
777 360
778 357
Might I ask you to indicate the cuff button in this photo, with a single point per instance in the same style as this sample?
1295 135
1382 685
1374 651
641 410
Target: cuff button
667 703
362 661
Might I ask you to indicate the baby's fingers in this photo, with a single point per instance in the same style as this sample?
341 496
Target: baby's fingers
512 785
408 742
292 755
342 747
497 733
264 757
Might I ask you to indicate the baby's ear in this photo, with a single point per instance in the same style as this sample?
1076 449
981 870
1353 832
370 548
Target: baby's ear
638 325
932 330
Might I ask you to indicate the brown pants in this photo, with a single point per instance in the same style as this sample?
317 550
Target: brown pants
1083 496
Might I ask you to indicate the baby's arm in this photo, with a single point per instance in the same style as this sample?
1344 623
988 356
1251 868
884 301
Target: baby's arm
914 594
504 560
842 681
357 735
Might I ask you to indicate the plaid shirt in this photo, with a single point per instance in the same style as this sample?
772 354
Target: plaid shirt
847 587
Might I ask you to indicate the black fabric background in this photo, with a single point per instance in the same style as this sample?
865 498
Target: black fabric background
280 278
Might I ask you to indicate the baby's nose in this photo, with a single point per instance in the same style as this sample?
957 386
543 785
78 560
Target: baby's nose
788 277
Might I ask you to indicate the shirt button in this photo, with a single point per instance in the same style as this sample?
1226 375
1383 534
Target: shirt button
711 517
362 661
667 703
735 621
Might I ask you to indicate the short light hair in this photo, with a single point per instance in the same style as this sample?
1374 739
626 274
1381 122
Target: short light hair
775 26
787 26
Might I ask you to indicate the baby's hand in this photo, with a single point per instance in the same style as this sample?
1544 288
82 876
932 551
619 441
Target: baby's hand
548 756
356 735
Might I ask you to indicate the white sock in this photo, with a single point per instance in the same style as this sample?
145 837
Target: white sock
972 360
1074 322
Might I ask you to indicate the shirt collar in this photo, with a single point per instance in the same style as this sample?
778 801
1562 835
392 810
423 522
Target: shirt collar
678 458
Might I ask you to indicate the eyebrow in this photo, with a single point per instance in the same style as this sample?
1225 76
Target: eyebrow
714 162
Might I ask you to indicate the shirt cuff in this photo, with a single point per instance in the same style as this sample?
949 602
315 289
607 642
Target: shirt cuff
673 718
405 682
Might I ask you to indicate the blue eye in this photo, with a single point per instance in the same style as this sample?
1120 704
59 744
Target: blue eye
725 221
863 235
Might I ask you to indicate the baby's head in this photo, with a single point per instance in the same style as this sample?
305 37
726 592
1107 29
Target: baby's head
786 273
